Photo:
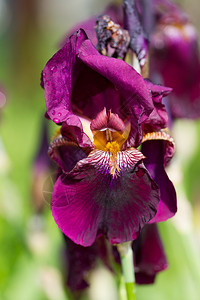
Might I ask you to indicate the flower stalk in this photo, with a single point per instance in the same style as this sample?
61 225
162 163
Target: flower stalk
126 256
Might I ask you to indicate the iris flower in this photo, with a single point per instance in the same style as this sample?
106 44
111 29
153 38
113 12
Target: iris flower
106 111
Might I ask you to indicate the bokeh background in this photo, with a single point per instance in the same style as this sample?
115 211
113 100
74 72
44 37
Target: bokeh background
31 246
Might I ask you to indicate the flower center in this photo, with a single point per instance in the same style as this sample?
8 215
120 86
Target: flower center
113 147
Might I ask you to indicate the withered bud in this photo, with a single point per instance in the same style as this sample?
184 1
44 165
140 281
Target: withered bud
111 34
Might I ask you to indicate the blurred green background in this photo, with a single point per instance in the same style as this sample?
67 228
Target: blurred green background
30 243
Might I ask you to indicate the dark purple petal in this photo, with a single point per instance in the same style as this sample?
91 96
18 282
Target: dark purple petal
80 260
90 200
149 253
154 162
58 81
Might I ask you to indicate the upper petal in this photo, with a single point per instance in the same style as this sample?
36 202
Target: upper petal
59 76
129 94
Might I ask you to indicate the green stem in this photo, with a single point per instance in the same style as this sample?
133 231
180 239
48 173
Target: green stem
126 255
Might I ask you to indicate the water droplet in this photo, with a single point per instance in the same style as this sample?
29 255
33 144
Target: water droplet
53 112
140 172
44 74
59 114
54 69
55 120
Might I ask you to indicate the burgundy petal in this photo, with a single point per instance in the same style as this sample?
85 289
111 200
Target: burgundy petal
80 260
149 253
57 78
154 162
90 200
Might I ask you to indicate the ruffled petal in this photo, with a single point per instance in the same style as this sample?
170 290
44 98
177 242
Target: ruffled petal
149 253
90 200
154 162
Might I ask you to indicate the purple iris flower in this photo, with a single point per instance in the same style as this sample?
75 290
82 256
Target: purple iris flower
175 59
106 110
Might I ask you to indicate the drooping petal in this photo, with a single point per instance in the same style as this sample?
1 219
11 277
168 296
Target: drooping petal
90 200
149 253
154 162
